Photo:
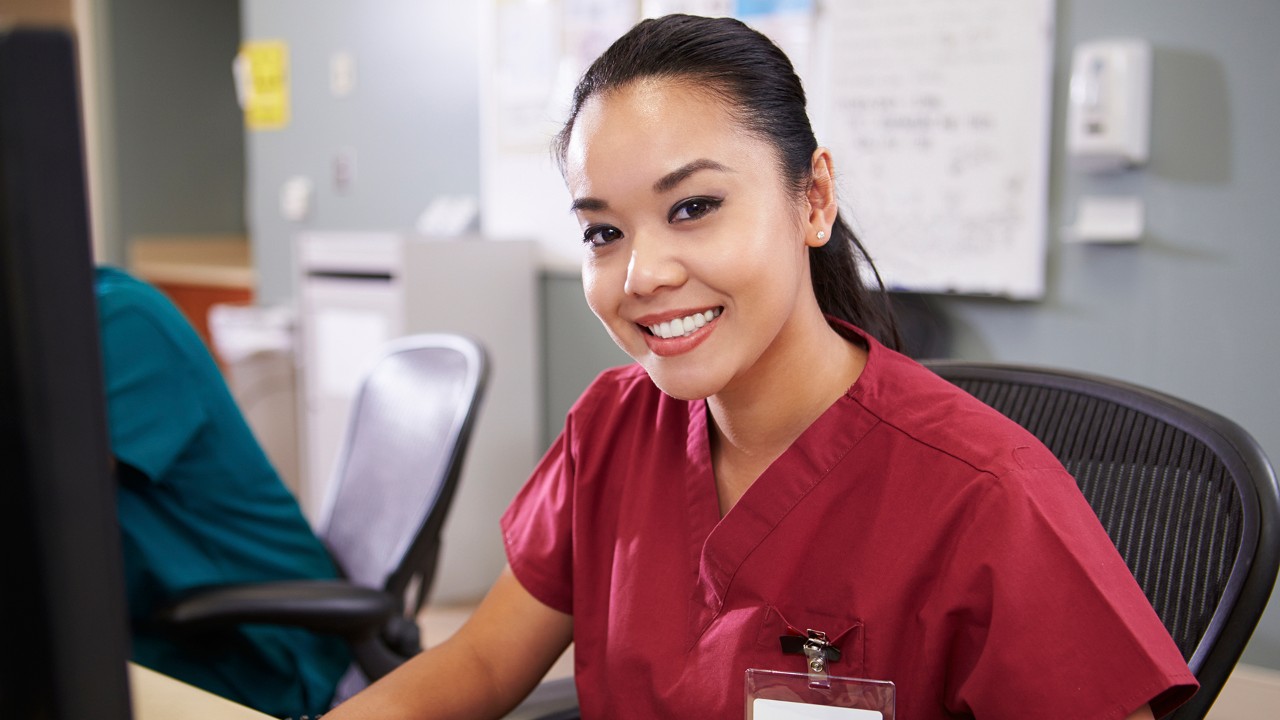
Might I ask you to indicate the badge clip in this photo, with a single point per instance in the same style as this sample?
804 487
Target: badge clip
817 650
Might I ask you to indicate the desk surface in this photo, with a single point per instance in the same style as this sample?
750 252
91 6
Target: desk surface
203 260
160 697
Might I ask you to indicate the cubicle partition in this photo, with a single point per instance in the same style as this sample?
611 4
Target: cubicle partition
357 291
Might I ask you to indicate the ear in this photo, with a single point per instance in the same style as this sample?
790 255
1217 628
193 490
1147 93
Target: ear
821 197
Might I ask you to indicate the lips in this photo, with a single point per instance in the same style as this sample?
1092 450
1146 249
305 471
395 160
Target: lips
681 326
675 334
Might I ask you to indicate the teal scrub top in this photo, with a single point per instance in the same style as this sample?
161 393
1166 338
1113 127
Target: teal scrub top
210 511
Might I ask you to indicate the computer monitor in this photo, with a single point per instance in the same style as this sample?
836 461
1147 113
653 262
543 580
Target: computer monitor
63 623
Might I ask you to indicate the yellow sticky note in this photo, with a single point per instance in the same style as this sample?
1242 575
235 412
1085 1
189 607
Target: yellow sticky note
262 70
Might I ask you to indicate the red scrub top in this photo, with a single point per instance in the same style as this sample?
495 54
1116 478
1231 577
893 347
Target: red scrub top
940 546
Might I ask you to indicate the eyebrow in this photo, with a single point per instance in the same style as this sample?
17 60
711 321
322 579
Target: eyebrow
677 176
664 183
589 204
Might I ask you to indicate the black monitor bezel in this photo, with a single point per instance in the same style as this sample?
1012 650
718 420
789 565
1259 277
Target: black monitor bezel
65 638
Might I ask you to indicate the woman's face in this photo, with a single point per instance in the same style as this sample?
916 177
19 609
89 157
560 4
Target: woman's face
694 250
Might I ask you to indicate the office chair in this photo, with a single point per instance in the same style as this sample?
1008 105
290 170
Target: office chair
406 438
1186 495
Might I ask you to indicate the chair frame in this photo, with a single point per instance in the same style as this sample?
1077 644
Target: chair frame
375 623
1254 568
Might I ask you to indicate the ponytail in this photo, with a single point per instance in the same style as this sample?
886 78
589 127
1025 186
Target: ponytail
842 290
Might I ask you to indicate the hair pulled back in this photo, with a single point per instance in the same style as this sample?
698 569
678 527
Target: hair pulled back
756 81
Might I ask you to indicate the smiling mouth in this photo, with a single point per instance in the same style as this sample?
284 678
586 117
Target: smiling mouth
680 327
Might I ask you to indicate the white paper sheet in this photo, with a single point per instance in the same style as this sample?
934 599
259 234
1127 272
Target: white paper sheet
937 112
763 709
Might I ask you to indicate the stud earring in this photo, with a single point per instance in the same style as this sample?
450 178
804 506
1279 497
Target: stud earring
822 234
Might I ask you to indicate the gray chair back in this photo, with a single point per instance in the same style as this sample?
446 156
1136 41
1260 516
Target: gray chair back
398 469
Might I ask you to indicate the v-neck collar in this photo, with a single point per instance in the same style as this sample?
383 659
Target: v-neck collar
718 546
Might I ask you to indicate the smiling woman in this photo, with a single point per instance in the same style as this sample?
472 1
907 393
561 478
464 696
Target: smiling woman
772 471
701 225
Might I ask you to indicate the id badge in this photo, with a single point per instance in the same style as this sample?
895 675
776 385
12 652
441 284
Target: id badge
815 695
773 695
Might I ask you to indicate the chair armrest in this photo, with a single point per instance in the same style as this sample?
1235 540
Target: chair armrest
328 606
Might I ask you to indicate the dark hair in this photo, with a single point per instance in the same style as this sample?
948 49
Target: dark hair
757 83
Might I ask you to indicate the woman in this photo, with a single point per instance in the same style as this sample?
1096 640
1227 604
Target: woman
769 466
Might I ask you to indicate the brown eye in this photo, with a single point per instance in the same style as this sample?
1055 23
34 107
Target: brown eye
601 235
693 208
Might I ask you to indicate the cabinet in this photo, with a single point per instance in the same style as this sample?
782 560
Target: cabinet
356 291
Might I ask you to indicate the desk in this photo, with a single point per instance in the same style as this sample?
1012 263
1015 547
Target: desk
160 697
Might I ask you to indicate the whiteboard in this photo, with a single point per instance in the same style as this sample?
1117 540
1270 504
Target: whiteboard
937 113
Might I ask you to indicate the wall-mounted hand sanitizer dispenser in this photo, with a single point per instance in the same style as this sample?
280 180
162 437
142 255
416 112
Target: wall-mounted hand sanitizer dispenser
1109 111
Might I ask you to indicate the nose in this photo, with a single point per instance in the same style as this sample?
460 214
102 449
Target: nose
652 266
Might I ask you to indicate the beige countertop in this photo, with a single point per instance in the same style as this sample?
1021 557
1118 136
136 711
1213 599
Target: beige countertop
208 260
160 697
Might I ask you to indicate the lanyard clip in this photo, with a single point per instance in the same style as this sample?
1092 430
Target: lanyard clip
817 650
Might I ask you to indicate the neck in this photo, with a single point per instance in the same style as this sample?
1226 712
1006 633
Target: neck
756 420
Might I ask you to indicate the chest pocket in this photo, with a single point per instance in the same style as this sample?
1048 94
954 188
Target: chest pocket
843 632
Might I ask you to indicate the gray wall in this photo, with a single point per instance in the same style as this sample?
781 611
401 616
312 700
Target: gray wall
412 119
175 133
1190 310
574 345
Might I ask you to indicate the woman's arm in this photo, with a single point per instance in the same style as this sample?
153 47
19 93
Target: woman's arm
483 671
1142 713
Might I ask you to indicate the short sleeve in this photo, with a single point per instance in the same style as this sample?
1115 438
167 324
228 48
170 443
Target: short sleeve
154 406
537 528
1054 623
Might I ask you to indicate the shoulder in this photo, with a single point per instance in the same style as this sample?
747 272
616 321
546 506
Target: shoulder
620 390
142 331
117 290
621 380
623 412
926 410
133 310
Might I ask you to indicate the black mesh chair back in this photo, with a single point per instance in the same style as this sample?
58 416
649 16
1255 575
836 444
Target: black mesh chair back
397 472
1186 495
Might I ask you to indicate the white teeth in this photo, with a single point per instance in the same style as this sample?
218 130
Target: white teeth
683 326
